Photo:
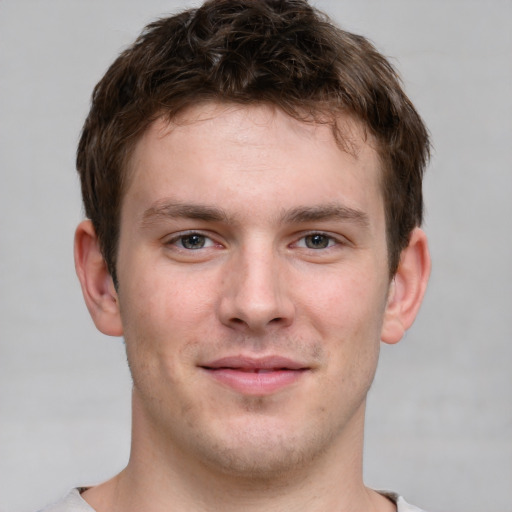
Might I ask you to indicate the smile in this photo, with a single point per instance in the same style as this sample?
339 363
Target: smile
261 376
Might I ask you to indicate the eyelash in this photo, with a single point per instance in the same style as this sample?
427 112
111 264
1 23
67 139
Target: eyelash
189 234
331 240
178 241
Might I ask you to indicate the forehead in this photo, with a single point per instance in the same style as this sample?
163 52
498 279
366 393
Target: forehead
257 151
344 130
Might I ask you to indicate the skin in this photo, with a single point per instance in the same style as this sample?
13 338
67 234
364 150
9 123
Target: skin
247 234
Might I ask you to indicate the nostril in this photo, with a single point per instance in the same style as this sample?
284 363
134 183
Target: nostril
240 322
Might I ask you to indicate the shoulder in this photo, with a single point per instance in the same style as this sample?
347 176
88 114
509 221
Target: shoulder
72 502
401 504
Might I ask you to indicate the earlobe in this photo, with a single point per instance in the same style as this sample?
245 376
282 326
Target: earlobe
97 285
407 288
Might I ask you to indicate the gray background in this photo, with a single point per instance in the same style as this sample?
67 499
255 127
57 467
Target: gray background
440 413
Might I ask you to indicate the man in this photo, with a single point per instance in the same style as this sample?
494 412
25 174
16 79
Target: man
251 177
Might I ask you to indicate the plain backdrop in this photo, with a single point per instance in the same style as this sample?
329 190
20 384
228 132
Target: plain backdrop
439 426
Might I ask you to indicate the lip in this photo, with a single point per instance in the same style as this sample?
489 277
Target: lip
255 376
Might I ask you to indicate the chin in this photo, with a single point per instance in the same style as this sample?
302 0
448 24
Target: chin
262 452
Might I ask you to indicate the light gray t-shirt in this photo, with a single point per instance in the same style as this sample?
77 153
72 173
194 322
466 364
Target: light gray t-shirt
73 502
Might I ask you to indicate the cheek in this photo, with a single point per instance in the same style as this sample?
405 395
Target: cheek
344 302
162 297
347 312
163 314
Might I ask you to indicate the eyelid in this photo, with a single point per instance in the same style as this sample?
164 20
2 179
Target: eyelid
339 240
171 240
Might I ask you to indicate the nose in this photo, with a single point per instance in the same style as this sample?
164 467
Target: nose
255 294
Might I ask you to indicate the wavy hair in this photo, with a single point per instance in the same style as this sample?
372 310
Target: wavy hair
280 52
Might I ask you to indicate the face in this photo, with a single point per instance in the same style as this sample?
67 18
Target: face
253 284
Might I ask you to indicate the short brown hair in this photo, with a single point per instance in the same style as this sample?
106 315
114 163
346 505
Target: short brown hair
281 52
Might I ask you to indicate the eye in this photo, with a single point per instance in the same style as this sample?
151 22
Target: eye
317 241
192 241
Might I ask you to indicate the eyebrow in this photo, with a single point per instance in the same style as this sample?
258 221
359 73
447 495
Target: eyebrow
299 215
324 213
169 209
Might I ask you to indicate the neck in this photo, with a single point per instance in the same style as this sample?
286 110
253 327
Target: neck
160 477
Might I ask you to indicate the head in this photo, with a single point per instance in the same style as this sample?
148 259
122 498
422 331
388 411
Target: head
253 178
284 54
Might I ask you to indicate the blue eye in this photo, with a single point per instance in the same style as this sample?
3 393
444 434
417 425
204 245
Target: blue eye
193 241
317 241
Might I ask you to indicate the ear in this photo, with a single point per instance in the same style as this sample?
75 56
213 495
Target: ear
97 285
407 288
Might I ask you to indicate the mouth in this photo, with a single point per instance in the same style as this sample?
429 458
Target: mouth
255 376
